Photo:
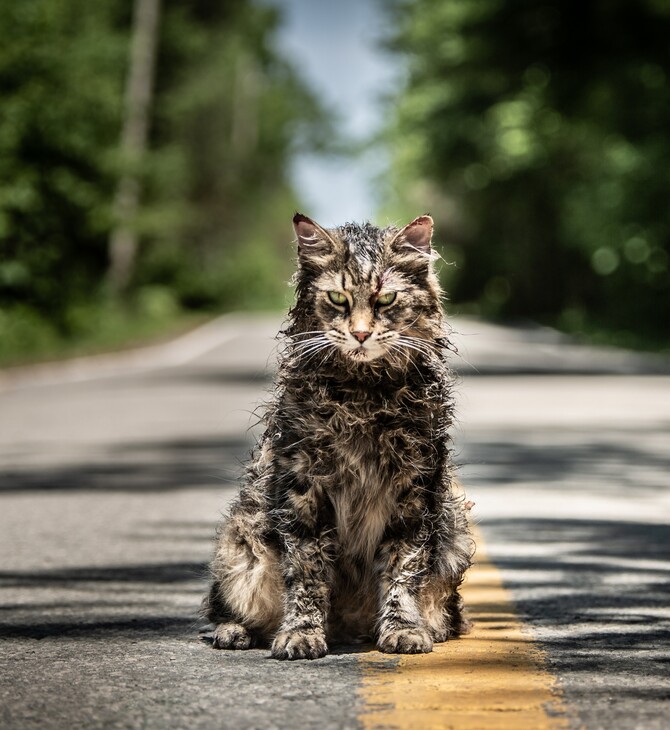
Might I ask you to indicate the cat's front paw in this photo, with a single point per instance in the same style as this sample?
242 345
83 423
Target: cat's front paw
232 636
405 641
299 645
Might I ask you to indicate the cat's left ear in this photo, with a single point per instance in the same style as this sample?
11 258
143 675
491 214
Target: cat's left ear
415 236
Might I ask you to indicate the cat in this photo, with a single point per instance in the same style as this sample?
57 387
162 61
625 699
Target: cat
349 524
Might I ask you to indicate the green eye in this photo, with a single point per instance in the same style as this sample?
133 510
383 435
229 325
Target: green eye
386 299
336 297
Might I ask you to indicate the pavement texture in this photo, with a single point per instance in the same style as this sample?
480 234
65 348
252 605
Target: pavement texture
114 470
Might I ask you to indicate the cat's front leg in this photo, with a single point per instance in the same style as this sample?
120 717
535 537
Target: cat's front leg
401 628
308 577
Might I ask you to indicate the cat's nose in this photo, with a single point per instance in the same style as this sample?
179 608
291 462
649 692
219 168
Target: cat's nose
361 336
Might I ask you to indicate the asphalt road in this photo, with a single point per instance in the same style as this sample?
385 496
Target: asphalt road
113 472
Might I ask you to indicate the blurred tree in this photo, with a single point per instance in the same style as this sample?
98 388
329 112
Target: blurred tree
61 71
137 113
227 114
536 132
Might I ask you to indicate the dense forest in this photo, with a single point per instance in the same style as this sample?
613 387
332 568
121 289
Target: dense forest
226 114
536 132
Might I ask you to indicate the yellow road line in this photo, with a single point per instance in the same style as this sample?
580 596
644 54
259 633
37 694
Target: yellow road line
494 678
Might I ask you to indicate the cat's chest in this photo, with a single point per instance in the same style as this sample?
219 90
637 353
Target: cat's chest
376 459
360 458
370 441
361 440
363 493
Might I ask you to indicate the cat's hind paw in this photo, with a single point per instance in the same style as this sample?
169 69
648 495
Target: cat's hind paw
405 641
232 636
299 645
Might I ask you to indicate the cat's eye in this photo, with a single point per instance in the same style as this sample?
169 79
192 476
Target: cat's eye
386 299
336 297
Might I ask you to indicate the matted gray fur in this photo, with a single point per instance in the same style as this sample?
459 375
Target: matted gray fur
349 524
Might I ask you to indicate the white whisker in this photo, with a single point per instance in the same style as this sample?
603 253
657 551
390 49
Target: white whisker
314 347
308 332
327 347
297 346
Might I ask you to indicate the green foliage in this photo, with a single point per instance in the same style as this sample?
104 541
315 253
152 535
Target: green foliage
229 112
214 223
60 80
537 135
100 325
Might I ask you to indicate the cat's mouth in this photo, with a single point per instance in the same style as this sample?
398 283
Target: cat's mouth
364 354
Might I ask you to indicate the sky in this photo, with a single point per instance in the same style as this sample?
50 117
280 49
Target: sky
335 47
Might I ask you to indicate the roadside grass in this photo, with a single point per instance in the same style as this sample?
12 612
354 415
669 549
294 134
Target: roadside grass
26 338
252 278
584 329
595 333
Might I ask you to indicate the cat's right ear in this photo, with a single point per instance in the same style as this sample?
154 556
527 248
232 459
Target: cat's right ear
415 237
314 242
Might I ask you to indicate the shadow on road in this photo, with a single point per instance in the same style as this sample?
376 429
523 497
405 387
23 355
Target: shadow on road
99 602
597 593
140 466
209 376
611 464
84 627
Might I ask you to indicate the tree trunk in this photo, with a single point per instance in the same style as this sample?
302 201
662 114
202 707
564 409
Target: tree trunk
137 108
